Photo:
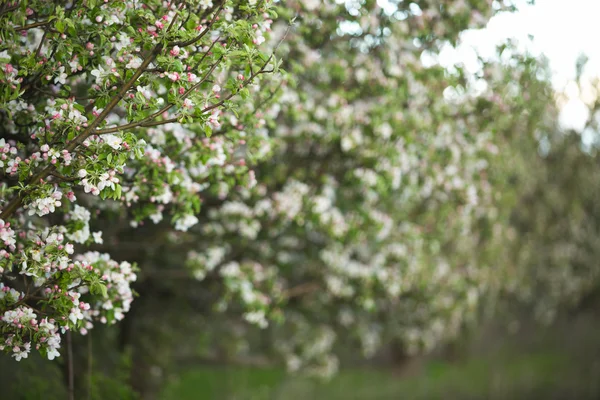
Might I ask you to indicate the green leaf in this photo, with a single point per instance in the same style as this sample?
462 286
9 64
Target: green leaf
245 93
178 66
60 26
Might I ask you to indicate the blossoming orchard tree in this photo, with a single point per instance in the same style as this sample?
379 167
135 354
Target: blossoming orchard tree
348 200
370 219
95 95
554 216
378 194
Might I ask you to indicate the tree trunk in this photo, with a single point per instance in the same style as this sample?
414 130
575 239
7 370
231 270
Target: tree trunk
405 365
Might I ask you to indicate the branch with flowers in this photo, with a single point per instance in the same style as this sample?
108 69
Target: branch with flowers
87 90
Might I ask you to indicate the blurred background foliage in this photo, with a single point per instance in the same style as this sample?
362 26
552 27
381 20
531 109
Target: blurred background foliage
534 336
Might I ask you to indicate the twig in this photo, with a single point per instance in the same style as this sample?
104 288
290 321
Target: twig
70 372
39 48
31 26
62 177
90 365
301 289
203 33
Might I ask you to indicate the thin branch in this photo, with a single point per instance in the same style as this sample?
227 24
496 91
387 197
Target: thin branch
167 274
62 177
70 372
31 26
269 97
90 365
246 83
206 53
175 17
34 79
37 52
203 33
5 9
262 70
301 289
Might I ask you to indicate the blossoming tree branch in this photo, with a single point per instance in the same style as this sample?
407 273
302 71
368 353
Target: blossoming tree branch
93 98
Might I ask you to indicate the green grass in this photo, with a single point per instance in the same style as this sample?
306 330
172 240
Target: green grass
500 378
224 383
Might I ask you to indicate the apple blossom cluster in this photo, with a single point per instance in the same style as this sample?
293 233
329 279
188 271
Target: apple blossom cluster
146 108
53 289
69 286
25 322
118 278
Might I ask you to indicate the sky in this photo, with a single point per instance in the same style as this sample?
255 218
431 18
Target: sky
561 29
